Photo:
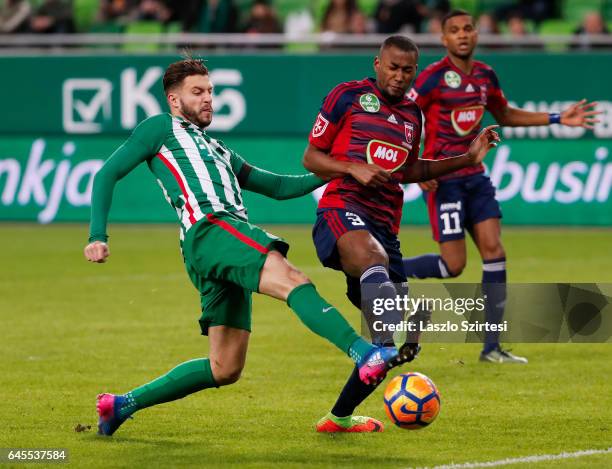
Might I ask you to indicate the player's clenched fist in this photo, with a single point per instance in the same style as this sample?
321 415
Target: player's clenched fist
97 252
369 174
484 141
429 186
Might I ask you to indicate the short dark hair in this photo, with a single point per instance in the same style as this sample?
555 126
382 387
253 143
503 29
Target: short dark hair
403 43
178 71
453 13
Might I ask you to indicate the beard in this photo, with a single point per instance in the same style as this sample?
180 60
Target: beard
193 115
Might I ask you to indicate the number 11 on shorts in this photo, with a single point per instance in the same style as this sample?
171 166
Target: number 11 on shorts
451 222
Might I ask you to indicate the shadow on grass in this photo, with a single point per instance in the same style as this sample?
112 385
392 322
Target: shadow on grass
126 440
321 450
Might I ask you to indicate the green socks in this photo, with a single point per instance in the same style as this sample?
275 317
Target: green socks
325 320
182 380
194 375
359 349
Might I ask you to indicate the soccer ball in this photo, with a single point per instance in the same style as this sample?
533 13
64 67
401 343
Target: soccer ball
412 401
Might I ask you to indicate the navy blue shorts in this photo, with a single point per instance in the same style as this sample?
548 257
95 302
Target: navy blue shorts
332 223
459 204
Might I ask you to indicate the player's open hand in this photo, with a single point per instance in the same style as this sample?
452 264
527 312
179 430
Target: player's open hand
370 175
581 114
97 252
484 141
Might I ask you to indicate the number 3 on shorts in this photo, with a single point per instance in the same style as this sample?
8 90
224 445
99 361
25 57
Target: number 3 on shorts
354 218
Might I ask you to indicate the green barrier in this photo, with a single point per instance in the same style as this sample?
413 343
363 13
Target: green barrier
257 94
541 182
67 114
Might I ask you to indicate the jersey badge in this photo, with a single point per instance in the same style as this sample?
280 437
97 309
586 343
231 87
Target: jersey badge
452 79
386 155
369 102
320 126
483 95
412 94
465 119
408 132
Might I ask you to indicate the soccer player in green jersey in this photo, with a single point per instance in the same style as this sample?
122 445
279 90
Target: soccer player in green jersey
226 257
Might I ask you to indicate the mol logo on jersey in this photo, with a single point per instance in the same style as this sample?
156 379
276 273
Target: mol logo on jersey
386 155
466 118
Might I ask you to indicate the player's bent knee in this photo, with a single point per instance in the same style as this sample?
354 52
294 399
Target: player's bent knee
280 268
359 261
454 273
494 251
359 252
226 374
455 268
377 257
297 278
226 377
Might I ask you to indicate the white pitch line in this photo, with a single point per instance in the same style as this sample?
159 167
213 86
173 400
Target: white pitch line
526 459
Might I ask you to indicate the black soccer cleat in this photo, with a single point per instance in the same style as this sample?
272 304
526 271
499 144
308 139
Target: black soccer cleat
405 354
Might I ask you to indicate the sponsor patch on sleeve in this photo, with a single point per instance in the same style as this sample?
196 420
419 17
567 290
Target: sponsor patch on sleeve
320 126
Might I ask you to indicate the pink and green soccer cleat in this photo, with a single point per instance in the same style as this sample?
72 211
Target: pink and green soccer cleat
356 424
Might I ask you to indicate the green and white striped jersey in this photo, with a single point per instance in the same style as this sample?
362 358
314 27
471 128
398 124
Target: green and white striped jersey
198 174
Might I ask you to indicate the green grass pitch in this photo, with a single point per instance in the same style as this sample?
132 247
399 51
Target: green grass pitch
71 329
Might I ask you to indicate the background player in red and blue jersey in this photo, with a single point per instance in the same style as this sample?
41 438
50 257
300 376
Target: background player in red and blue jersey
453 94
366 140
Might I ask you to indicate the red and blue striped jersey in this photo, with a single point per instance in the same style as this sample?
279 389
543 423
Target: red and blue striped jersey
357 123
453 104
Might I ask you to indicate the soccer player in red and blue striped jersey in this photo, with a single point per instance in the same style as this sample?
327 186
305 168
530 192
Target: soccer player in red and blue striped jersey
366 139
453 94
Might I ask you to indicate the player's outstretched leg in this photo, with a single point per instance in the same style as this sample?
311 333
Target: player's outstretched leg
182 380
281 280
228 346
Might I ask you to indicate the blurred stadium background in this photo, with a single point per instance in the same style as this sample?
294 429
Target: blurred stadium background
79 75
